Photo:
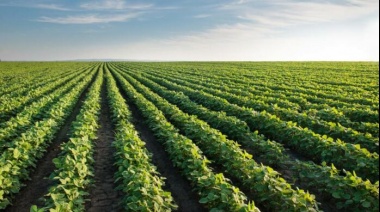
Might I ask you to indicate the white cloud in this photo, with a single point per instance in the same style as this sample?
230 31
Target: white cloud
166 8
338 46
234 4
314 11
103 5
38 6
202 16
89 19
52 7
256 30
290 13
285 30
114 5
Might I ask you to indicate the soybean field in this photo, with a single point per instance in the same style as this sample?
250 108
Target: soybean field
189 136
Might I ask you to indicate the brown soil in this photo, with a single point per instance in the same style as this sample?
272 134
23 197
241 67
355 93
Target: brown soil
103 194
39 183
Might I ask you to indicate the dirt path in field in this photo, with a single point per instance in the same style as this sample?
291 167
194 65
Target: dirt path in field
103 194
39 183
179 187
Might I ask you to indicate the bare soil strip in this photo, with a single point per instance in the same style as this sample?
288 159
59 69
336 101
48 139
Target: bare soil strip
39 183
103 195
187 200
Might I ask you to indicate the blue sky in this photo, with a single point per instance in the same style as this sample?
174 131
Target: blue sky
252 30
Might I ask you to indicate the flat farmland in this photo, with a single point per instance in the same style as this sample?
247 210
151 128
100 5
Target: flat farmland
189 136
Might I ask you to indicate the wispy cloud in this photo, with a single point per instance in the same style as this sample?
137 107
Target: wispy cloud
52 7
202 16
89 19
234 4
114 5
167 8
100 5
292 12
216 29
332 11
268 24
101 11
37 6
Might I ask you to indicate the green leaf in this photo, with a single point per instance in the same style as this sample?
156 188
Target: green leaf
33 208
366 204
16 153
336 195
203 201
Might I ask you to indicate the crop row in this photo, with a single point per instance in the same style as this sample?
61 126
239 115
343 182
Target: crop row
284 98
27 77
73 168
23 84
305 101
304 120
327 180
263 100
38 110
138 177
284 81
318 148
23 152
270 190
212 126
11 106
215 191
322 76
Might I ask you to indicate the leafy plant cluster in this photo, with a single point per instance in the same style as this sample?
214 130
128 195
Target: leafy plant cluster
306 142
334 115
301 82
38 110
22 154
215 191
73 167
304 120
12 106
326 180
360 118
325 112
138 177
231 126
321 110
283 95
20 78
270 190
286 112
346 191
